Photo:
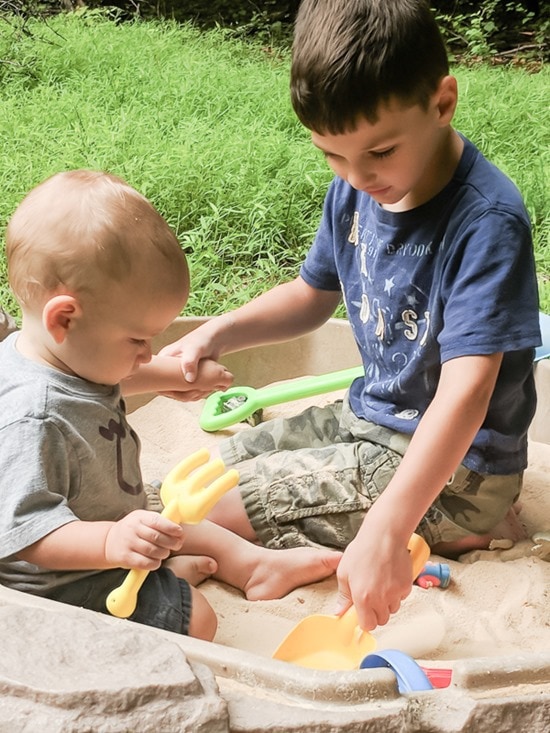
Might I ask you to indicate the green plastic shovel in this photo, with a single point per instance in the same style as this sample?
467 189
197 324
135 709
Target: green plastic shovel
217 414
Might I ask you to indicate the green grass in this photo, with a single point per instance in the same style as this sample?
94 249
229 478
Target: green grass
203 126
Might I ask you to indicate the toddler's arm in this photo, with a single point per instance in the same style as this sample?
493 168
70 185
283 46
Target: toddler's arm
164 374
141 540
375 570
282 313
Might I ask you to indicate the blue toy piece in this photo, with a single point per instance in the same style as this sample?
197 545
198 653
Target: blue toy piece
410 677
434 574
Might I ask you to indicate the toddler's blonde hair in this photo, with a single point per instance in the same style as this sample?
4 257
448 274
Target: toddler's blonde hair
80 231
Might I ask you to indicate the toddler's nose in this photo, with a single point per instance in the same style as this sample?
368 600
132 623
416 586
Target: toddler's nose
145 354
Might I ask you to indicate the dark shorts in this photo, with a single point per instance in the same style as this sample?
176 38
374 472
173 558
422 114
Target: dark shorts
164 601
311 478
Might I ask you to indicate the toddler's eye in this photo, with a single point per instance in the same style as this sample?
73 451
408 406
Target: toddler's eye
138 342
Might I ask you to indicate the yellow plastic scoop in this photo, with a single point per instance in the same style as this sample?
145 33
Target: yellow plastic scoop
337 642
187 500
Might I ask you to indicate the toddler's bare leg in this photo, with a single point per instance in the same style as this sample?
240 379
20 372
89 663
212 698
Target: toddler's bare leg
261 573
203 623
229 512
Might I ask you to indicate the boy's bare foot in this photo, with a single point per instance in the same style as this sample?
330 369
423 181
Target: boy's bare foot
193 568
274 573
261 573
509 529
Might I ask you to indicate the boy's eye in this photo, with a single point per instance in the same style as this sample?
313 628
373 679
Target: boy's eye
383 153
138 342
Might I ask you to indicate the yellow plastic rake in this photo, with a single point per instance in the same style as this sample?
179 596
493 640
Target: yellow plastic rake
187 499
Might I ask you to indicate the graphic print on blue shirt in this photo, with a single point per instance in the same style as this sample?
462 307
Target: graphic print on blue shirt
389 304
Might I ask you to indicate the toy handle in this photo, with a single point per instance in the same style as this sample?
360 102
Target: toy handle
420 552
214 417
308 386
121 602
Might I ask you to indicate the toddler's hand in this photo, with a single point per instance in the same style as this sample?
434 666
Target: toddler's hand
142 540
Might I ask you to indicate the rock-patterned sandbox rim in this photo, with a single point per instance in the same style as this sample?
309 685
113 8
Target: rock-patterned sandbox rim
66 668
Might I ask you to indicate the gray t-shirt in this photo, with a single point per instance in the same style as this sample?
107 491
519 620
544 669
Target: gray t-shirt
67 452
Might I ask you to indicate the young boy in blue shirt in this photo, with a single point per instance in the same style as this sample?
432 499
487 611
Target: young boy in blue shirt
430 247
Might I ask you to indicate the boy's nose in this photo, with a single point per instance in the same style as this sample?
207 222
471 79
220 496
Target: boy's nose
359 179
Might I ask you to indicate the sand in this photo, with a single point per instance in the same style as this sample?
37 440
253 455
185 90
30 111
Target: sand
498 602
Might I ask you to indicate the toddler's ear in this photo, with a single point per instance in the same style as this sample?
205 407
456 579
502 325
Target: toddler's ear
59 314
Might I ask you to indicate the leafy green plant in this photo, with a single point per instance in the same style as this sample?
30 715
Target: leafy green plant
494 29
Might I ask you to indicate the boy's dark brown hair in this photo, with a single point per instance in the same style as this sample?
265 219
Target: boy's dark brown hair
351 56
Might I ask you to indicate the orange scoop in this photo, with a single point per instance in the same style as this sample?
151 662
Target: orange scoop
337 642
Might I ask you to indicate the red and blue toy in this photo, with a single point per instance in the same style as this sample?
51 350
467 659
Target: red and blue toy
434 575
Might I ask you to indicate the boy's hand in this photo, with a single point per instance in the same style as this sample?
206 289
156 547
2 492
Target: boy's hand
210 377
142 540
375 574
191 349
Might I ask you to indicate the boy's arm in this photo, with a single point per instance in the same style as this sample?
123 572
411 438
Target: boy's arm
142 539
280 314
375 570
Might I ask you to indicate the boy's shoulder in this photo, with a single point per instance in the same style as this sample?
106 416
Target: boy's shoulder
484 183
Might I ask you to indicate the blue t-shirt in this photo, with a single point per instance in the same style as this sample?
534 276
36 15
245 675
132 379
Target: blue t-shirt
453 277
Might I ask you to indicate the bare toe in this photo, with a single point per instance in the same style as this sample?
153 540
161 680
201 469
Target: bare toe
193 568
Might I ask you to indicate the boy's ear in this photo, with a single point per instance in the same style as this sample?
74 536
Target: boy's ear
446 99
59 314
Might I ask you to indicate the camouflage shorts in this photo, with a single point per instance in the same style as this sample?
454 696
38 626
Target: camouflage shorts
311 478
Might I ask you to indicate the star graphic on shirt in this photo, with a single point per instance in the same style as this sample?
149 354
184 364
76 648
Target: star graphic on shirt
389 285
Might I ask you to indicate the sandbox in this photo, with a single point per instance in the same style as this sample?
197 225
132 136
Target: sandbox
491 626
